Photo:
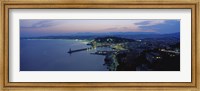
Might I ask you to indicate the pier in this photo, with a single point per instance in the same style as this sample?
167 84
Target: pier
78 50
103 52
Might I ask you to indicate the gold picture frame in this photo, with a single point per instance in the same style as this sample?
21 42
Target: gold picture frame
153 86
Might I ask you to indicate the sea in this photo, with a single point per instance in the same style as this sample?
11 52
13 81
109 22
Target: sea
52 55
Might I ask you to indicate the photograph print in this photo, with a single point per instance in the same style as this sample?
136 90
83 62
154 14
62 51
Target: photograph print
99 45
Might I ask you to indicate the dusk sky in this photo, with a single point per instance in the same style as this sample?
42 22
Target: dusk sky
48 27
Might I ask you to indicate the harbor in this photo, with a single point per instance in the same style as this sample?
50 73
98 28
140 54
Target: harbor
78 50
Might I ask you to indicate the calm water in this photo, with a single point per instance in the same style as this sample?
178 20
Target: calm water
51 55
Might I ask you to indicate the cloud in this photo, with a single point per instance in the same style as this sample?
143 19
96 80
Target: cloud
40 27
168 26
150 22
28 23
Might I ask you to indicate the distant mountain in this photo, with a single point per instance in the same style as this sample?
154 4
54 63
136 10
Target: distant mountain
108 33
128 35
143 36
